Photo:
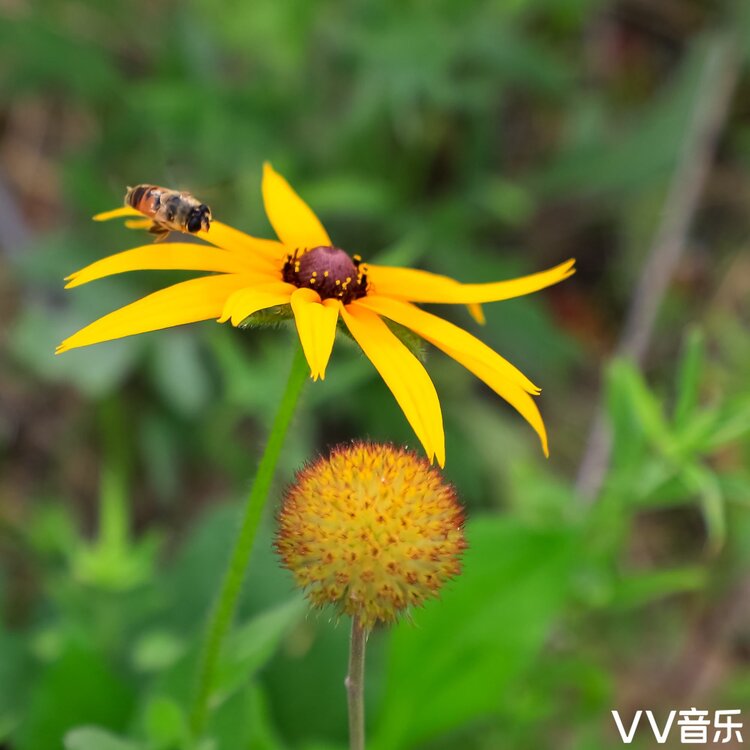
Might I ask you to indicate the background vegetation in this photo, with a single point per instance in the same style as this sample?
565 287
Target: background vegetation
480 139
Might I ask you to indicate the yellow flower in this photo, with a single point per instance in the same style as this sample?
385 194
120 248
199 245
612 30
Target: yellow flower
322 284
372 529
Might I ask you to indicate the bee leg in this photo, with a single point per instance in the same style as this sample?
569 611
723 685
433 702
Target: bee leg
159 230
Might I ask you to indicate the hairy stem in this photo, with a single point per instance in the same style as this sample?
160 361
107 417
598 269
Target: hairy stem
223 613
355 686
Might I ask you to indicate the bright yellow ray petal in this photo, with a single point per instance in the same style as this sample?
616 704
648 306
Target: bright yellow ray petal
220 235
187 302
236 241
138 223
179 256
421 286
245 302
403 374
441 333
316 325
521 401
292 219
508 382
476 312
116 213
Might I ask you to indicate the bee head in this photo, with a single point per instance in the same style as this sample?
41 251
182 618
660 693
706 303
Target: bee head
199 218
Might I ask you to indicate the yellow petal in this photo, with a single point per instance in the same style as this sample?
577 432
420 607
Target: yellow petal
403 374
421 286
292 219
188 302
138 223
236 241
316 325
220 235
167 256
245 302
476 312
507 381
116 213
515 396
443 334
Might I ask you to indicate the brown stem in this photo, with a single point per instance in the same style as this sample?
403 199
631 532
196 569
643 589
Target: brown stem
355 686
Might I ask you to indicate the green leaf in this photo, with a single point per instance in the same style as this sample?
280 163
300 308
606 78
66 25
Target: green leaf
117 568
733 423
305 680
695 436
16 679
359 195
462 653
96 371
648 409
180 374
735 486
253 644
635 397
507 201
245 721
38 46
629 440
643 588
78 688
270 317
406 336
166 723
651 480
157 650
94 738
705 484
621 155
689 377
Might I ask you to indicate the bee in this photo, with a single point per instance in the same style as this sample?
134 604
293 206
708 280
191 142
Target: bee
170 210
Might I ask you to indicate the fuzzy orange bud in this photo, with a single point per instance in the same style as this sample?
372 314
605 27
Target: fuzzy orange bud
373 529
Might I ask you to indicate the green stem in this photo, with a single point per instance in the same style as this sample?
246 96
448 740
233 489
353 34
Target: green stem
355 686
114 512
226 603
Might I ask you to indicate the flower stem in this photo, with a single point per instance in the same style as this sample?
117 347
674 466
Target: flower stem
114 513
355 686
226 603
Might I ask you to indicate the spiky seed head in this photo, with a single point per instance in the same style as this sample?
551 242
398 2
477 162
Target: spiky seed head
373 529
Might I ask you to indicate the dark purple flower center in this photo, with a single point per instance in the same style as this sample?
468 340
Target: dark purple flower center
330 271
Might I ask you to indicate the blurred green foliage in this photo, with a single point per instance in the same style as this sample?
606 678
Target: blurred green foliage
476 139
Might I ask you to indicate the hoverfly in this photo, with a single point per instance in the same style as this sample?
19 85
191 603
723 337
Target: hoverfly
170 210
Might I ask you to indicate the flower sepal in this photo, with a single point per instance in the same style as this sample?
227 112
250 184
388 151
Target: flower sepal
407 337
271 317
